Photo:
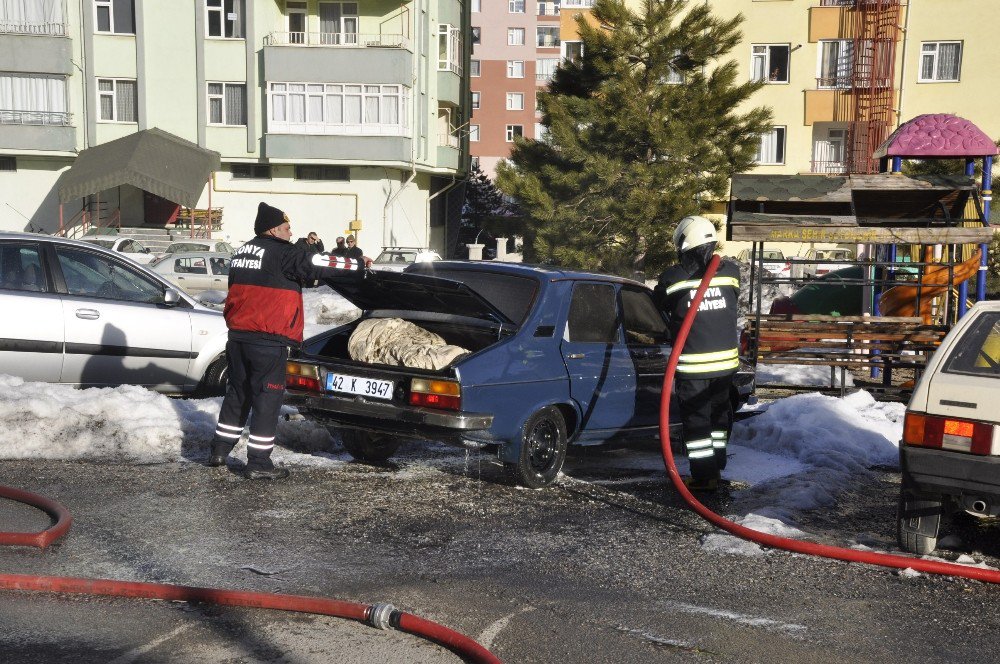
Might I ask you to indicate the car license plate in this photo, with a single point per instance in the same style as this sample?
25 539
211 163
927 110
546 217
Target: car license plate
366 387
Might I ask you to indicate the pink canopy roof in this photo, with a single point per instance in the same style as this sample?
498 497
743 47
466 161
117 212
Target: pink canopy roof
937 135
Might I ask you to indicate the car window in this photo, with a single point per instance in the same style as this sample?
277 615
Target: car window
643 322
21 268
511 295
978 351
220 266
128 247
773 255
92 275
190 266
593 316
226 247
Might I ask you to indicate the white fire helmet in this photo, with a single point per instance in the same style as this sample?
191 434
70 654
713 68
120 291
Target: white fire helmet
692 232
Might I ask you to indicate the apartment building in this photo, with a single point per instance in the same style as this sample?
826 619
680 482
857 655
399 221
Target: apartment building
346 115
516 47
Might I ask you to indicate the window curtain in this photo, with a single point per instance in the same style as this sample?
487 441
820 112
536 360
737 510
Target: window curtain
125 100
234 28
43 94
124 11
771 149
352 104
949 56
236 104
759 66
32 16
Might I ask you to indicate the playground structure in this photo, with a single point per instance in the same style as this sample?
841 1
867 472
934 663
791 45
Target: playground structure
919 242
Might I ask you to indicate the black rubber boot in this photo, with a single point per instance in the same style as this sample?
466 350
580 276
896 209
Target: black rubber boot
265 473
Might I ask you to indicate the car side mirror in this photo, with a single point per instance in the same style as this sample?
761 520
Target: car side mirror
171 297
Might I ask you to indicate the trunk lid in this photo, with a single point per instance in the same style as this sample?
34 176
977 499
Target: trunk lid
418 292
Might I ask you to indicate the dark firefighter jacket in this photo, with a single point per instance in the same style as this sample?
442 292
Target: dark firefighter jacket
264 304
712 347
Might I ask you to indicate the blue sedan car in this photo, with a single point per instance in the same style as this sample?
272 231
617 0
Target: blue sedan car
554 358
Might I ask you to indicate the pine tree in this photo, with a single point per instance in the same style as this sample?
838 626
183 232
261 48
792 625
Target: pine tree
641 131
482 200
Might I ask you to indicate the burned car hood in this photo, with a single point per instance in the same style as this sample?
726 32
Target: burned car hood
417 292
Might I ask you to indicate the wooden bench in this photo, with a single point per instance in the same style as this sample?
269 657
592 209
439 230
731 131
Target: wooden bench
846 343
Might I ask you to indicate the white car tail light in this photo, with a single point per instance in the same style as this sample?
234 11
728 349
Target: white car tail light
950 434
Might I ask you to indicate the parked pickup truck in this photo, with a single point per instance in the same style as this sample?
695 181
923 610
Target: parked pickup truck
555 357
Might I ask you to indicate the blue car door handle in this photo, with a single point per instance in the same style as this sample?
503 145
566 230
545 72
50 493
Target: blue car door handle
88 314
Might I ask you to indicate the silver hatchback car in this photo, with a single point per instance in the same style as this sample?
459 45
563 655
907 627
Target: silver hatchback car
195 271
87 316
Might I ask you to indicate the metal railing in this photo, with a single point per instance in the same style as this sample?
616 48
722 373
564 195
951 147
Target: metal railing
449 140
54 29
50 118
548 41
578 4
337 39
836 3
544 77
548 9
847 81
826 166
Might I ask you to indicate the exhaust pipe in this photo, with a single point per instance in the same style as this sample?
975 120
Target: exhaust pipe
979 506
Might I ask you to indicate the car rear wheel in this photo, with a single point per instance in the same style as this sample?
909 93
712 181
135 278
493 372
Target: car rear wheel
368 447
918 520
543 450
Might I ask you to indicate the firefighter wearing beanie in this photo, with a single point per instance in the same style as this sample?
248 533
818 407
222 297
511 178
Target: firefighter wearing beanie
264 315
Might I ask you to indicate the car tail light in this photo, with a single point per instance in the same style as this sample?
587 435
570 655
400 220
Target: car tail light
949 434
300 376
445 394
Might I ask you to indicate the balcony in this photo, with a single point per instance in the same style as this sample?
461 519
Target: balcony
49 29
339 64
548 9
847 81
37 130
449 141
828 167
338 40
49 118
548 41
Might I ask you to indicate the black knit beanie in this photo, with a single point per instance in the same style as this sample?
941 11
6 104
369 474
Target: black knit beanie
267 218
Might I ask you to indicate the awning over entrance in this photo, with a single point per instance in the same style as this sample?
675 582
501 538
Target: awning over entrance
152 160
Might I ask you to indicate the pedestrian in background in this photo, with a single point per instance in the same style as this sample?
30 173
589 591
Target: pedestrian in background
353 250
710 356
340 249
265 316
311 242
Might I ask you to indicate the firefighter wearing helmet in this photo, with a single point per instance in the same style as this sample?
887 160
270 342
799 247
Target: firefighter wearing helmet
710 356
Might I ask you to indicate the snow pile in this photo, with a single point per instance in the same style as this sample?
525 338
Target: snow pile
126 424
325 309
789 374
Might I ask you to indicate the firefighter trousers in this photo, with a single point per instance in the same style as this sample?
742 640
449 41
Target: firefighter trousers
706 414
255 392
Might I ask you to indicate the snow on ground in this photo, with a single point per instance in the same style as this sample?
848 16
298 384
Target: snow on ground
787 374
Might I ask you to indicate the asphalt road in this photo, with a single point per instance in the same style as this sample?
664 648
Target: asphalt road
606 567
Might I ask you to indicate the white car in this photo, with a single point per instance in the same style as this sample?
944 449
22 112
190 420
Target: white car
774 262
832 259
123 245
396 259
950 452
195 271
185 246
83 315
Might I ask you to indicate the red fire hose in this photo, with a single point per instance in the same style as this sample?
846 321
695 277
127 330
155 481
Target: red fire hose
796 546
382 616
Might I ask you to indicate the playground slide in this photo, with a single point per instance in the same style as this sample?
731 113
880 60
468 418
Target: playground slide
902 300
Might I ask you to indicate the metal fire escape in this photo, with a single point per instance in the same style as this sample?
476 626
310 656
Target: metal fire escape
874 30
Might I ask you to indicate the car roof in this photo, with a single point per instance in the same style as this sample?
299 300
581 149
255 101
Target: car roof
201 254
16 235
546 272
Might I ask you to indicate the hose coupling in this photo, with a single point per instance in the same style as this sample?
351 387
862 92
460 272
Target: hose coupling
380 614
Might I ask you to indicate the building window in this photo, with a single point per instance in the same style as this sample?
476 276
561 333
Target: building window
449 49
227 104
116 99
8 164
547 37
474 162
769 62
515 36
475 100
540 131
33 99
772 147
250 171
572 51
515 101
515 69
474 133
477 34
545 68
836 58
338 23
515 6
578 3
477 6
673 76
337 109
115 16
311 172
514 131
830 151
295 13
224 18
940 61
474 68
